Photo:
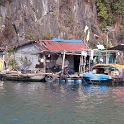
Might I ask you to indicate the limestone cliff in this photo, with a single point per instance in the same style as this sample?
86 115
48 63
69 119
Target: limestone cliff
23 20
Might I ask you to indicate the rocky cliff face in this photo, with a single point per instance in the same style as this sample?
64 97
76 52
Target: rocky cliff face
22 20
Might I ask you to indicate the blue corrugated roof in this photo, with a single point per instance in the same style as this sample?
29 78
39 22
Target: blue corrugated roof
70 41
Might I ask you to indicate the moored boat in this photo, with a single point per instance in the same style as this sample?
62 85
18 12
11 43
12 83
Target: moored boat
105 74
34 77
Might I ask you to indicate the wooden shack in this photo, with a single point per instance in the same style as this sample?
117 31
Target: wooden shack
42 54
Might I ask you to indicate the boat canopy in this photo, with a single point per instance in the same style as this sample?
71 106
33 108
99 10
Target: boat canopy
114 66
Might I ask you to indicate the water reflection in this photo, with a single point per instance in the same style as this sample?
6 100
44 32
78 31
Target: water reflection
54 103
91 89
1 85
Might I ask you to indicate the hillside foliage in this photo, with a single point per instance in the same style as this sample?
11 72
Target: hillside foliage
108 10
3 2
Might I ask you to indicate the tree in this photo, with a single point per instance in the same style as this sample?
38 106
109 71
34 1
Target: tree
101 9
2 2
26 63
119 7
12 63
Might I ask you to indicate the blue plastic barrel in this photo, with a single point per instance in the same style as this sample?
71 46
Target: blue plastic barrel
77 81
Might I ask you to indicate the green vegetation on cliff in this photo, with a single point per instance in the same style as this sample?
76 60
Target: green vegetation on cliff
108 10
3 2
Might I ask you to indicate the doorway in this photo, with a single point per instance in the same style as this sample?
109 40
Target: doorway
76 63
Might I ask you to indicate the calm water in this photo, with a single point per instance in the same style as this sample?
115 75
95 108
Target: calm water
40 103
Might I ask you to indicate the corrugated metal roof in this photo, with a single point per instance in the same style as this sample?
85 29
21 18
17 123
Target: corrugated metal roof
57 46
40 46
50 45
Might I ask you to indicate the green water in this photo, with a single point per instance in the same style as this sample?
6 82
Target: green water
44 103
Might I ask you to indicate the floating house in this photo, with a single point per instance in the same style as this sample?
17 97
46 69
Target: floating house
48 56
42 55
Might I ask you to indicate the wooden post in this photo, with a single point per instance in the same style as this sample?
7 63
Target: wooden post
44 62
81 63
80 66
3 64
106 48
89 63
106 57
89 60
84 64
63 62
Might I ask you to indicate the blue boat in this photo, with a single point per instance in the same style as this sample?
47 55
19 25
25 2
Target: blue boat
105 74
90 77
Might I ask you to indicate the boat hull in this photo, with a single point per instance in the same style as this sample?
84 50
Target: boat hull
103 82
91 78
109 82
32 78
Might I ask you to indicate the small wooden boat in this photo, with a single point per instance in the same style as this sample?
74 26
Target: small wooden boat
15 76
105 74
